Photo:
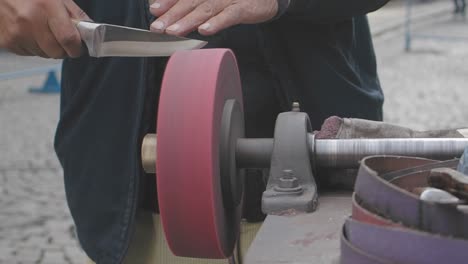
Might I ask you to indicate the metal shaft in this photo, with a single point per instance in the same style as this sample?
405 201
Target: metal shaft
148 153
346 153
334 153
254 152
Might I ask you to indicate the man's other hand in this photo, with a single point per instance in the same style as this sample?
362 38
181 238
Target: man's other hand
40 28
180 17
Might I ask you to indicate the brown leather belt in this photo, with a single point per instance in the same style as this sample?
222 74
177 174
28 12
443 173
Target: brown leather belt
390 224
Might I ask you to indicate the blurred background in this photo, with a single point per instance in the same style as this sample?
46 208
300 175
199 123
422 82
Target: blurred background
422 54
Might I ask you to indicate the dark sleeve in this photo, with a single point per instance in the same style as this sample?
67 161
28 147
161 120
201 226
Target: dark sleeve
329 11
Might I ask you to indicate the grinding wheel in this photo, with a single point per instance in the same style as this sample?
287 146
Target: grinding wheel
199 120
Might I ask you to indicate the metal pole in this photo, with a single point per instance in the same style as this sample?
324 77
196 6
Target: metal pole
254 153
332 153
346 153
148 153
408 5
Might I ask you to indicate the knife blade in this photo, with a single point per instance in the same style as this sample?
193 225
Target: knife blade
106 40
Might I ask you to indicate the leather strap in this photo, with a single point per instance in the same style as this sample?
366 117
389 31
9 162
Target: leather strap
399 205
361 214
398 245
390 224
351 254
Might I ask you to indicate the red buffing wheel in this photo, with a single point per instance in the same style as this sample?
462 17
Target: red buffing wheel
196 88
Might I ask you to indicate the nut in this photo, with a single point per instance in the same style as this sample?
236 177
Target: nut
289 183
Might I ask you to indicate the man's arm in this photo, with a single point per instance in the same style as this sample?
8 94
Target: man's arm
40 28
328 11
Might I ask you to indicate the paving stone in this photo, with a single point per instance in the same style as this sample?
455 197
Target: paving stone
5 251
28 254
75 255
11 260
53 257
35 241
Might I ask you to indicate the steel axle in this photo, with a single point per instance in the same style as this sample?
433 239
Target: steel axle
334 153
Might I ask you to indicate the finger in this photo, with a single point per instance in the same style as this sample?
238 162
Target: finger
190 22
230 16
24 46
159 7
64 30
48 44
75 11
28 47
15 48
20 51
38 52
178 11
34 50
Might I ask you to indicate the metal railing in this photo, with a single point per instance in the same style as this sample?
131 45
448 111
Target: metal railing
410 35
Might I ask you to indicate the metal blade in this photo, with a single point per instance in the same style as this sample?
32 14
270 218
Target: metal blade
104 40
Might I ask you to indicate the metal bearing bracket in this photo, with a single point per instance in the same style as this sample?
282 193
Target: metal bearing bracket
291 186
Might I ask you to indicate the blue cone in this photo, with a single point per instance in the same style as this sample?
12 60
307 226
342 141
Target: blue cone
51 85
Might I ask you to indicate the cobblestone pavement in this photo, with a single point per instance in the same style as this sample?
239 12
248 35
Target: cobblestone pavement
425 89
35 224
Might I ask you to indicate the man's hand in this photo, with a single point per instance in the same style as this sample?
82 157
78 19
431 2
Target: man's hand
179 17
40 28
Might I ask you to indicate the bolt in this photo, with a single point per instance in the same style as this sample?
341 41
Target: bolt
288 180
288 183
288 174
296 107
